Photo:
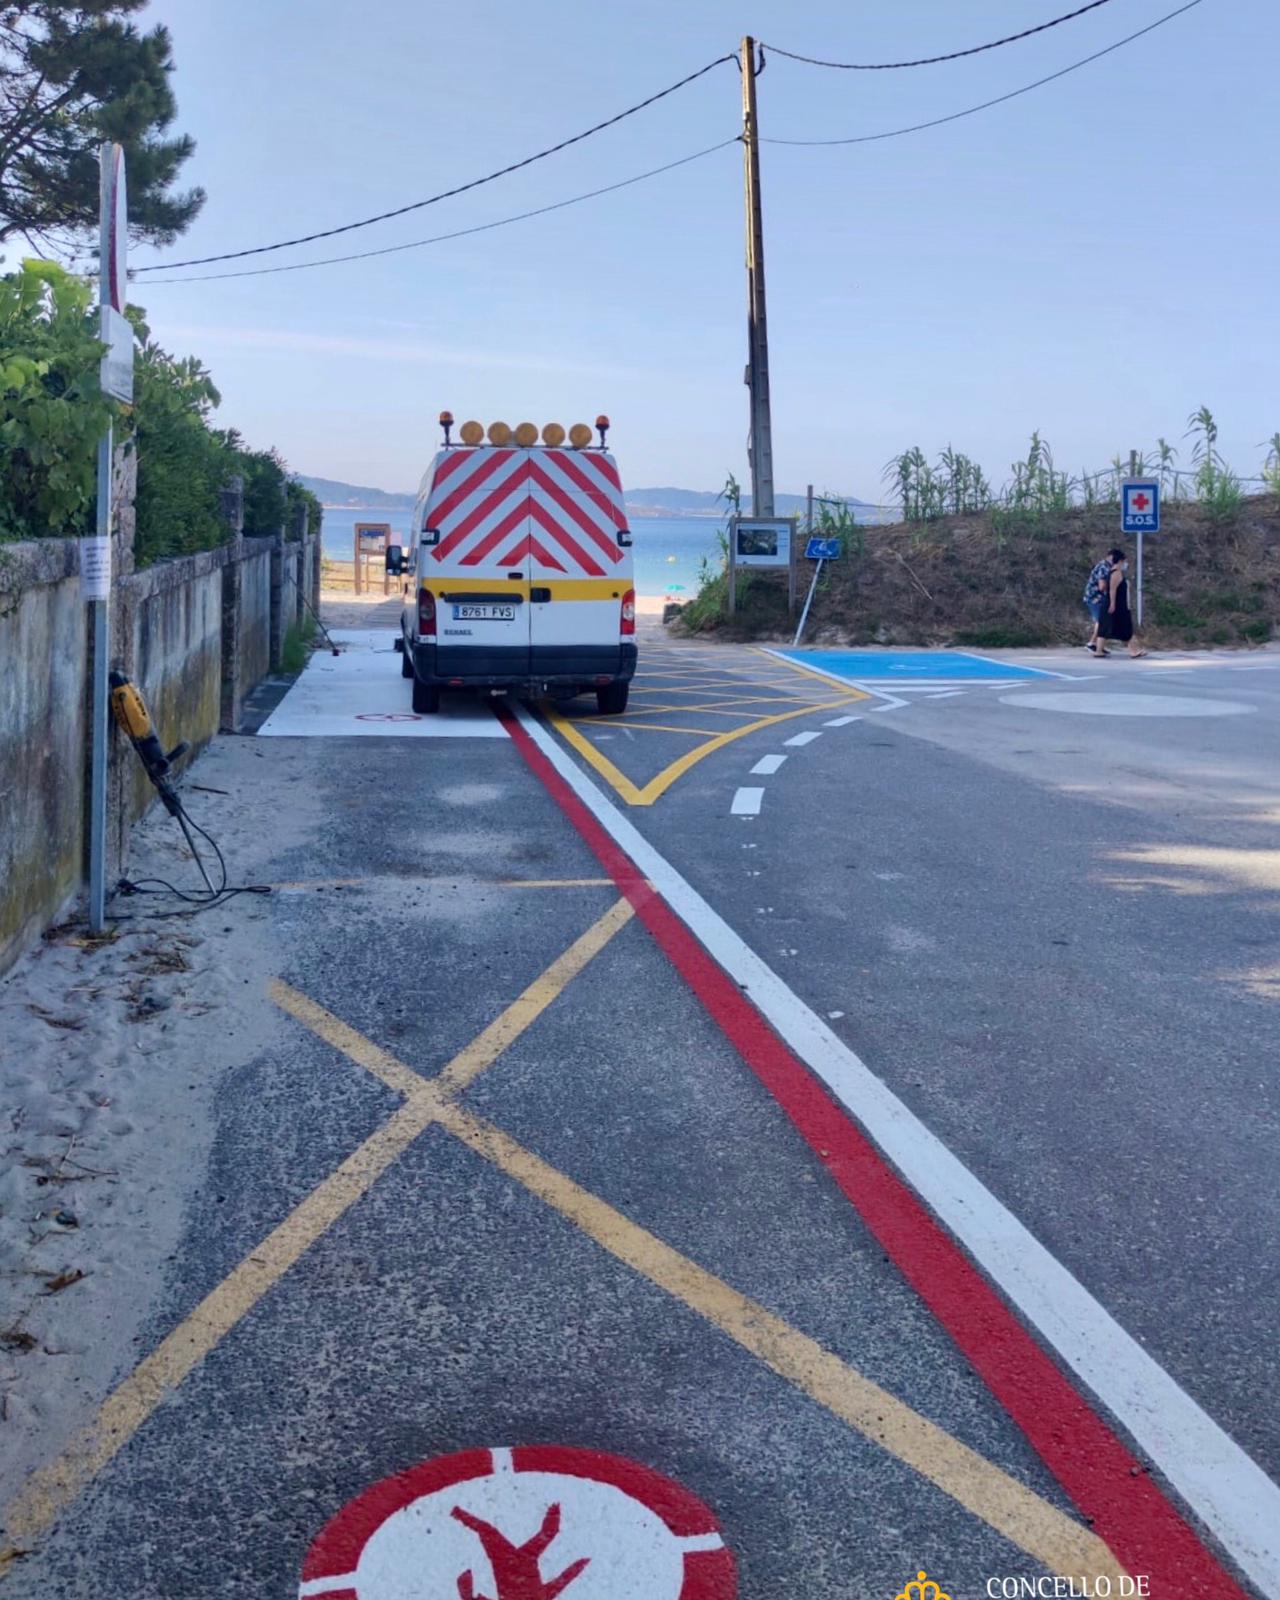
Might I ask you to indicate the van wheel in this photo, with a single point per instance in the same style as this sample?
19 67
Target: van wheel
406 664
612 701
426 697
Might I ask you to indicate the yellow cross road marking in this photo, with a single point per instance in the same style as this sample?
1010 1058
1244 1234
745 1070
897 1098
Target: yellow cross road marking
1025 1518
1006 1505
53 1487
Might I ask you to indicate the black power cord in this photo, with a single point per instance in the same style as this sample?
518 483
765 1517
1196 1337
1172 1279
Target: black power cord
206 899
448 194
130 712
930 61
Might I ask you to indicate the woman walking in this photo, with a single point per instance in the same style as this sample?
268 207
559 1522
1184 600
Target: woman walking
1117 619
1097 596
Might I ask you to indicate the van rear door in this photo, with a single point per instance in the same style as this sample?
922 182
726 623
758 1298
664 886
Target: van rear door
580 570
477 514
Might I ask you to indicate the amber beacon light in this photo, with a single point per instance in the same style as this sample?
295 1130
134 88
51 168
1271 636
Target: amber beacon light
446 422
471 433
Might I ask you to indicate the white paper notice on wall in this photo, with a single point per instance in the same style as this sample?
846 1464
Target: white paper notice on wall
95 567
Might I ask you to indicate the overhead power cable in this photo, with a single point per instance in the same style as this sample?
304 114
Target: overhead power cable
929 61
445 194
936 122
459 233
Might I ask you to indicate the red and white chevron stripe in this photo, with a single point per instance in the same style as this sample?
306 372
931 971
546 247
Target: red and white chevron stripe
562 508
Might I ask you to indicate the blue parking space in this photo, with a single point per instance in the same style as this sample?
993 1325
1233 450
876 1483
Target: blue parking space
905 666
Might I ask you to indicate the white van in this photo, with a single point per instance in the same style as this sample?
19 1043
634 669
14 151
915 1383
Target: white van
520 576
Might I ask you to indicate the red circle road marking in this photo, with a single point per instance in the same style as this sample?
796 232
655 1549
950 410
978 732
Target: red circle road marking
1125 1507
529 1523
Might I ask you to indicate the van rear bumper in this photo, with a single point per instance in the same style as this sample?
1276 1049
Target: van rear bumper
541 670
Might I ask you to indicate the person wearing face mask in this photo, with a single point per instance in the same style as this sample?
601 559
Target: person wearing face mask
1117 620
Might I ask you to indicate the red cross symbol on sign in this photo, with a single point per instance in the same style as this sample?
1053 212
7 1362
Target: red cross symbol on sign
1140 502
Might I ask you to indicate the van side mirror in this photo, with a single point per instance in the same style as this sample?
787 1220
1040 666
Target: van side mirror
395 560
624 538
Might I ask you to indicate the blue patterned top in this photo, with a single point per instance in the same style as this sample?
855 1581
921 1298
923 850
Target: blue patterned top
1099 581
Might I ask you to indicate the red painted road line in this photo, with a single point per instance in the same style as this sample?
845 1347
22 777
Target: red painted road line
1105 1481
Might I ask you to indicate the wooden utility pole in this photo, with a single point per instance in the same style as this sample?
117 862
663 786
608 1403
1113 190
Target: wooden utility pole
761 446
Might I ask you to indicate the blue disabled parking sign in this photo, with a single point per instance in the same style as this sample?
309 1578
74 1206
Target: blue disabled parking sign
1139 506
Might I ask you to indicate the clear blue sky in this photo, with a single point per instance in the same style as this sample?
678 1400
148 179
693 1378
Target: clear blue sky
1095 259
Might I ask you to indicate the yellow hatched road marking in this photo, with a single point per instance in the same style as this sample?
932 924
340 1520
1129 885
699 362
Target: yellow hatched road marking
649 727
644 795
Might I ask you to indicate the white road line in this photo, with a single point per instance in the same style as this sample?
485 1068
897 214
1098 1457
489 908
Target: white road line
768 765
1227 1489
803 738
746 803
841 722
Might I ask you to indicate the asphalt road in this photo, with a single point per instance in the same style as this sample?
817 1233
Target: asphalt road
1052 934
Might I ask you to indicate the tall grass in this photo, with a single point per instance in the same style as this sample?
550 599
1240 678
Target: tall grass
1036 491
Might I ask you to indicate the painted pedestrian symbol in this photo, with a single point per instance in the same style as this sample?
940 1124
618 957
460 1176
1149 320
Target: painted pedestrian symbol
531 1523
516 1567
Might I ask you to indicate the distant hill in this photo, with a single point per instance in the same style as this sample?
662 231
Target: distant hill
665 502
668 502
332 493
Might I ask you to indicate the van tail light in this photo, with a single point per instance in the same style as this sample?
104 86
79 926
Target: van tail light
628 614
426 614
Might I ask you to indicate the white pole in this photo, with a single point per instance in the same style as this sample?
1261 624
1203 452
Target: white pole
1138 607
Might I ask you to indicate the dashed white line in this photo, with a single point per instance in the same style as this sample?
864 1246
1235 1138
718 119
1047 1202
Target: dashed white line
841 722
768 765
803 738
746 803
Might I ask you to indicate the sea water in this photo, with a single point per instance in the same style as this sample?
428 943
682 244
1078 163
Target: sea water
668 551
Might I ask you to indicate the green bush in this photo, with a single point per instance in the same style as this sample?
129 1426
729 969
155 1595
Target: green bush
1010 638
1170 614
297 645
182 461
52 414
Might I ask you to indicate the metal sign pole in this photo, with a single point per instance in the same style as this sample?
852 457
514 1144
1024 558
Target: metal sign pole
808 601
1138 607
116 379
100 619
99 606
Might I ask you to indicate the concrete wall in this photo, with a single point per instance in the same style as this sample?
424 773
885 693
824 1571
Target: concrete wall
177 656
193 633
43 730
255 612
